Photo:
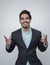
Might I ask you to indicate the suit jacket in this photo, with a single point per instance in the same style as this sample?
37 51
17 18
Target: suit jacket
27 54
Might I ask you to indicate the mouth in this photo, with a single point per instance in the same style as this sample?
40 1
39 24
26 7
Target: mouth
25 22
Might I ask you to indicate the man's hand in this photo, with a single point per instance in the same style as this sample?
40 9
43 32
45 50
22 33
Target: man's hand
44 39
8 41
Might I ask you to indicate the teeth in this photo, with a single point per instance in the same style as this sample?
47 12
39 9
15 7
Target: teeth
25 23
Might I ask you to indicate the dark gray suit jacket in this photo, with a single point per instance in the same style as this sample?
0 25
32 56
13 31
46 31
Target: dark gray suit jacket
27 54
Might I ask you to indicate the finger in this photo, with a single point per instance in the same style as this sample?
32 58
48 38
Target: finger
5 37
45 37
10 37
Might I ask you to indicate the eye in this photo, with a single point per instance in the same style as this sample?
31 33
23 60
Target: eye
22 18
27 17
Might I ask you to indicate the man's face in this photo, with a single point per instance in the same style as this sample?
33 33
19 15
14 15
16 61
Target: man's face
25 21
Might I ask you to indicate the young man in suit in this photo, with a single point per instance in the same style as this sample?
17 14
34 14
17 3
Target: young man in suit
27 39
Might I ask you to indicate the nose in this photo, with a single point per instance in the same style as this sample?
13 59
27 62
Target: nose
24 19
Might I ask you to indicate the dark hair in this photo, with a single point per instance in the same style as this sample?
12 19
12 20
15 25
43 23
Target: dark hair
25 12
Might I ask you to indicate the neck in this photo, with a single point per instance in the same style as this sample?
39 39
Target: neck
26 29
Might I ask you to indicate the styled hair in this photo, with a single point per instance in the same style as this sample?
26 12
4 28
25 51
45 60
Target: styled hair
25 12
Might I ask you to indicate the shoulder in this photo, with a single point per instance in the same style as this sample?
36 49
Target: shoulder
36 31
16 31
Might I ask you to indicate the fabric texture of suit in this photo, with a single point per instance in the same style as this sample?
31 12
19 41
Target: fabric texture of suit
27 54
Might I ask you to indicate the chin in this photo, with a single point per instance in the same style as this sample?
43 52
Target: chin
25 27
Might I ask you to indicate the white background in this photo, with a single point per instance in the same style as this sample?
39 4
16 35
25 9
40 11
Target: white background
9 22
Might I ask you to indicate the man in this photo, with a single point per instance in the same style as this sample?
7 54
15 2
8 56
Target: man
27 39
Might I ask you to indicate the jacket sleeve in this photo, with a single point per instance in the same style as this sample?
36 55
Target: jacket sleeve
41 46
12 45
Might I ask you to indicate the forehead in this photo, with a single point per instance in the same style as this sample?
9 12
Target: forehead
24 15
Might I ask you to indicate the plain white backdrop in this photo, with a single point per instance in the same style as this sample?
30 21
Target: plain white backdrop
9 22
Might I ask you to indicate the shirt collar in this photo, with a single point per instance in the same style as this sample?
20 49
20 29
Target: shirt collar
27 31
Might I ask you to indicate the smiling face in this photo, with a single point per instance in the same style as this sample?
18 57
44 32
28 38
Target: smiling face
25 20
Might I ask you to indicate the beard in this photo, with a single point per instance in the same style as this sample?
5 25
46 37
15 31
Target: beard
25 24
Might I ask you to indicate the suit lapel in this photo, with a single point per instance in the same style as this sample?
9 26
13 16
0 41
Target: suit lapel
32 39
21 39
